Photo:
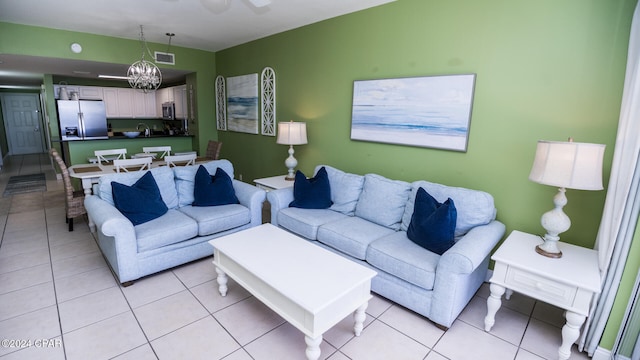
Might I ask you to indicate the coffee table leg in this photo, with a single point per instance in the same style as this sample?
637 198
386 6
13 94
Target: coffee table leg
313 347
222 282
359 316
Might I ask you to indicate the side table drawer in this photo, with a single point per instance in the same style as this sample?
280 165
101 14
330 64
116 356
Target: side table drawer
542 288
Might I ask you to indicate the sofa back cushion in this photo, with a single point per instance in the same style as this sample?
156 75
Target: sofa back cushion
185 178
473 207
345 189
162 175
383 201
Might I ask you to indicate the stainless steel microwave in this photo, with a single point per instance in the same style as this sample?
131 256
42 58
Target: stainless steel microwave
169 111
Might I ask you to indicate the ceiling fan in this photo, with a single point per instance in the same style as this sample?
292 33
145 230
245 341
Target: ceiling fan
218 6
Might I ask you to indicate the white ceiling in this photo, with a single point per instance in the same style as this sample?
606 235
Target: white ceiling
194 25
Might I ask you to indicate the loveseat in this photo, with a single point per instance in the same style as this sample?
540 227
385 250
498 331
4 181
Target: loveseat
181 234
367 222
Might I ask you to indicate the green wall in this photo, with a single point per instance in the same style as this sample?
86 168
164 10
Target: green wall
546 70
38 41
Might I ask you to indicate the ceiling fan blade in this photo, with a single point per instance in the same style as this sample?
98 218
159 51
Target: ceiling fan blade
260 3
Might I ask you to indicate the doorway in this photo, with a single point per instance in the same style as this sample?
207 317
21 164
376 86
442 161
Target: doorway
22 123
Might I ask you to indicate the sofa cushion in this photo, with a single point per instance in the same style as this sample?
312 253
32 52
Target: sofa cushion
345 189
473 207
397 255
162 175
172 227
305 222
185 178
432 224
212 220
312 193
140 202
351 235
382 200
213 190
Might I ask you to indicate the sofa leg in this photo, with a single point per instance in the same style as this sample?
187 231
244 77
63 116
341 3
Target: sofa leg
70 221
127 283
441 327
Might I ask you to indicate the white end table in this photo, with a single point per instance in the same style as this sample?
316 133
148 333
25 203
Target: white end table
273 183
568 282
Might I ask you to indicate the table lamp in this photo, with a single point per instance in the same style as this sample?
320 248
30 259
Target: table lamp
567 165
291 133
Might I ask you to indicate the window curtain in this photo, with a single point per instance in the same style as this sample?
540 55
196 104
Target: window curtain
622 204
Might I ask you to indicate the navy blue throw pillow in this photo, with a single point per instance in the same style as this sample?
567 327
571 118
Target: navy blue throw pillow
140 202
313 193
432 224
213 190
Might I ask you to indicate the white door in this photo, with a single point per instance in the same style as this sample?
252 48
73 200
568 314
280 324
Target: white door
22 123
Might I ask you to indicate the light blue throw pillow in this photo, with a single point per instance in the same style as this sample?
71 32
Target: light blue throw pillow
345 189
383 200
163 176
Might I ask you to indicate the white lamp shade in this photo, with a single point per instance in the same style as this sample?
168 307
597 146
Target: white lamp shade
568 165
292 133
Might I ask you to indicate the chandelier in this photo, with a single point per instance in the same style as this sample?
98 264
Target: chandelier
144 75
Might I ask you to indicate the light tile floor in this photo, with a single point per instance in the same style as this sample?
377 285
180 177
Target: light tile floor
57 292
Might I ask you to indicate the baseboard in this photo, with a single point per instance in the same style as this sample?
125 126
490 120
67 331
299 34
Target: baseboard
603 354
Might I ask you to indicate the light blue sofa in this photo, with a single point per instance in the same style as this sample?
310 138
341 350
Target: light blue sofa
177 237
367 223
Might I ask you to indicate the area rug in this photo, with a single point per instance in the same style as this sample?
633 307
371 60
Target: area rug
22 184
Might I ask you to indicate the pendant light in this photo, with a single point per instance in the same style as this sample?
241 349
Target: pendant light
144 75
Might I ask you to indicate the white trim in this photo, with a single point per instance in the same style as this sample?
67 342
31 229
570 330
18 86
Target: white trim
601 354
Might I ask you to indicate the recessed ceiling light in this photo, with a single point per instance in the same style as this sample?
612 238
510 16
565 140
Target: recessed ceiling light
76 48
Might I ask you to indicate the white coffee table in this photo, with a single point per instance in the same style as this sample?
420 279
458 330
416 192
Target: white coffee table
310 287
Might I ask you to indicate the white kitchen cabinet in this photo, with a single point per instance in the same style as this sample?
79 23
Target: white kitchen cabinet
180 100
90 93
118 102
144 105
162 96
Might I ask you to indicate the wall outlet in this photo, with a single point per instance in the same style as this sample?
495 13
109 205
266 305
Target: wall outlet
240 177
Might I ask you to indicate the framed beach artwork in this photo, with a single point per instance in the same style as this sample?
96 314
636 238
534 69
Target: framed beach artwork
242 103
430 111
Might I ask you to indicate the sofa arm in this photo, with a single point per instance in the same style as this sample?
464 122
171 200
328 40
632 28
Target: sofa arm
279 199
472 249
116 237
108 219
461 270
252 197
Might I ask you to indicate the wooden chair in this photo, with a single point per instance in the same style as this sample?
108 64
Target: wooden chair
161 150
119 153
74 200
131 165
180 160
213 150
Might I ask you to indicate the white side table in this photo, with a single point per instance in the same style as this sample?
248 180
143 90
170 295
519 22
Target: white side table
568 282
273 183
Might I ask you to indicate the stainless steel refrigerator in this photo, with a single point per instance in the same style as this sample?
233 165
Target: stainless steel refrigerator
82 119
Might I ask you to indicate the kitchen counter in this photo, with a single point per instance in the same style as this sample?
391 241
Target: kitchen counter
122 137
80 150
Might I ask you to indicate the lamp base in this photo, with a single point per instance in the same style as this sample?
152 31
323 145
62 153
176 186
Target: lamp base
554 255
287 178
